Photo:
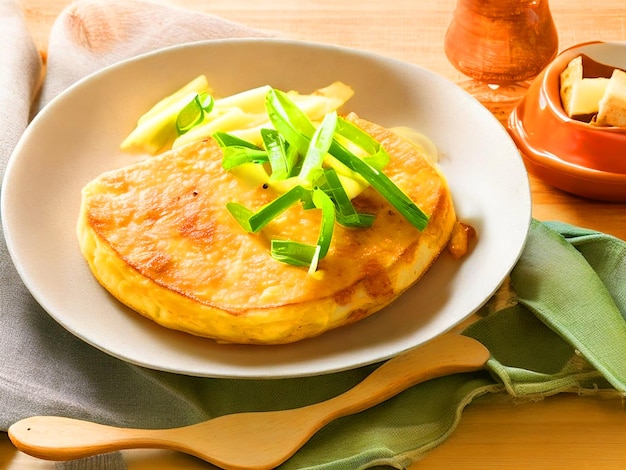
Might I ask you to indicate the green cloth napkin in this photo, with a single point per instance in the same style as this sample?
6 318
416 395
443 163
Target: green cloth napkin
561 329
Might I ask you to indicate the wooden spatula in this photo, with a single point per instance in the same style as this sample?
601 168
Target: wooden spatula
258 440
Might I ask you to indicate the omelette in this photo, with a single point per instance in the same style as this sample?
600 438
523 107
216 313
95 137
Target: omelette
158 236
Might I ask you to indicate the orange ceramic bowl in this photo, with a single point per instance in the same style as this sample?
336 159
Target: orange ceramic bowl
568 154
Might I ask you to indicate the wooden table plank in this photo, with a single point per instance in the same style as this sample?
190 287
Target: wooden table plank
560 432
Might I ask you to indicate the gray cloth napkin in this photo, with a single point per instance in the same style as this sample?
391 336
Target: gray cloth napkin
92 34
20 75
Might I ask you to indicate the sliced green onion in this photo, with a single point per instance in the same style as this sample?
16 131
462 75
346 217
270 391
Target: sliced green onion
235 156
289 120
381 182
293 157
377 155
346 213
156 129
225 139
322 201
315 260
252 222
237 151
275 146
303 254
189 116
206 101
294 253
318 147
241 214
293 124
193 113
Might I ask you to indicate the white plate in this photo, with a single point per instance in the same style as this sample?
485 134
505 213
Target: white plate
76 137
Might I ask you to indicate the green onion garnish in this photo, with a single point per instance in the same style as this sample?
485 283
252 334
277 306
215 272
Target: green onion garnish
289 120
294 253
238 151
294 125
323 202
383 185
193 113
377 156
277 154
307 163
302 254
225 139
254 221
318 148
346 213
235 156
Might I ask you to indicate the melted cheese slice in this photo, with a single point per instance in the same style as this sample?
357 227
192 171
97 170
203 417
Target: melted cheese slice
158 237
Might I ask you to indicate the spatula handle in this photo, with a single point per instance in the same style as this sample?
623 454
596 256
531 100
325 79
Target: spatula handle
447 354
59 438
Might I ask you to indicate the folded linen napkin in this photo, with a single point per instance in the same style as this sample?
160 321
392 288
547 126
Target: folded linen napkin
563 327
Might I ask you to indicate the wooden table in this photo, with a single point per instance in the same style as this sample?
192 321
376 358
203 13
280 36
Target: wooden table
561 432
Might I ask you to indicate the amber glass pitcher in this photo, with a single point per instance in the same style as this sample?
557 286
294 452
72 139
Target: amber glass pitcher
501 43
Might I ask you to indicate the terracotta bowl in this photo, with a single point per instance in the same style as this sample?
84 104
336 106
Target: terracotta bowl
568 154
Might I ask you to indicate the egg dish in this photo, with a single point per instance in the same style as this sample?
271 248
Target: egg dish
159 236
